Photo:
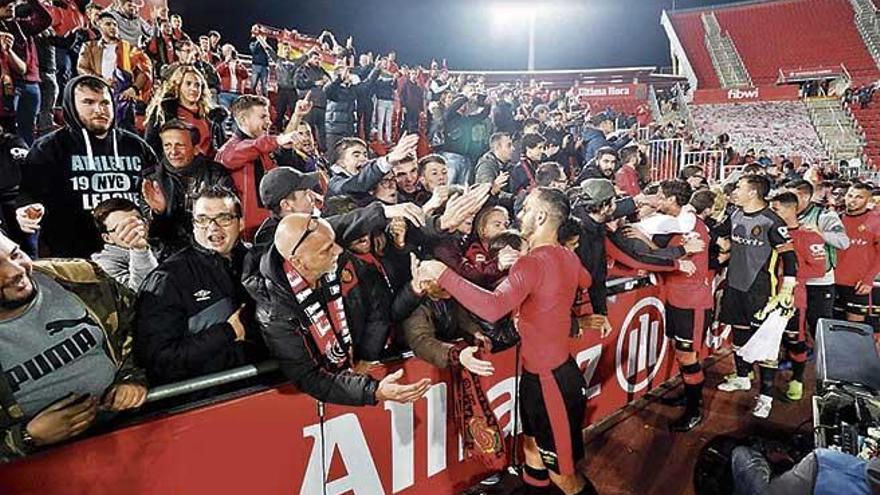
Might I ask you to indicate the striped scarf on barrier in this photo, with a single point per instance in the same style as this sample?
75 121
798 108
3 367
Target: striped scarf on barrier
473 417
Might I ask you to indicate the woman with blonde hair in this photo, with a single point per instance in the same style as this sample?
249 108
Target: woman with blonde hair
185 96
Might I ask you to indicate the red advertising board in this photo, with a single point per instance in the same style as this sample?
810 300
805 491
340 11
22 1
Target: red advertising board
746 95
269 443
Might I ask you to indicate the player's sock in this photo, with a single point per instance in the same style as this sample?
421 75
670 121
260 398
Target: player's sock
692 375
536 477
798 355
768 377
742 367
588 489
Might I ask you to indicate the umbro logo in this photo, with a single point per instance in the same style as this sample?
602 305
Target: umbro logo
202 295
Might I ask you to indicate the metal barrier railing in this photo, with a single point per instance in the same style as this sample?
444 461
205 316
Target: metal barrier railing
711 161
177 389
664 156
213 380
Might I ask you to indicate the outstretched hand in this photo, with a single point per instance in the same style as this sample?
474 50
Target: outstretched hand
389 389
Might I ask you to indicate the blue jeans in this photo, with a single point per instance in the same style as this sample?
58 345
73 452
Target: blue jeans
27 103
458 166
751 475
260 75
226 100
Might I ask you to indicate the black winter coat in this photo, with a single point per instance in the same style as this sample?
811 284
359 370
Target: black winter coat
285 331
341 101
172 229
182 310
307 78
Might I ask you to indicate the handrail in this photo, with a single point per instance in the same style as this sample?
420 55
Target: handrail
207 381
846 73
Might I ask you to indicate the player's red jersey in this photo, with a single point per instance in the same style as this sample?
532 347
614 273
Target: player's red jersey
543 285
809 246
694 292
861 261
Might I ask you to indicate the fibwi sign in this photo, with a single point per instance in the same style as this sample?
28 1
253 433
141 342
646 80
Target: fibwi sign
741 95
274 441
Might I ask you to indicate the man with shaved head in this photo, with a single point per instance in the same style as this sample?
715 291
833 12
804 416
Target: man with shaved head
298 300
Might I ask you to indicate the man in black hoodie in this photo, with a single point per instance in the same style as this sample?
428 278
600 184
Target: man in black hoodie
73 169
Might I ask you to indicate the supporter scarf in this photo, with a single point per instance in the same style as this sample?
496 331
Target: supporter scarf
526 165
481 435
369 258
329 333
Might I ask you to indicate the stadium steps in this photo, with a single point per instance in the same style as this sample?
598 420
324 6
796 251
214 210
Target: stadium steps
838 131
728 64
868 23
689 28
869 121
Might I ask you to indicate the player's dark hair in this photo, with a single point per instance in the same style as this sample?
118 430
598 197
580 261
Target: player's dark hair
559 205
788 199
678 189
800 185
759 184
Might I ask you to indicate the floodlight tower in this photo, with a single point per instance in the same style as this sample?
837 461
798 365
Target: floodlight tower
505 14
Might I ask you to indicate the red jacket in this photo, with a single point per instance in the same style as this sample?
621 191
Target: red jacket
470 259
861 261
627 180
247 161
227 84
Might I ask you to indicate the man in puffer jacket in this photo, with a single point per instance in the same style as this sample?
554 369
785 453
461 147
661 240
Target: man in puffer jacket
342 97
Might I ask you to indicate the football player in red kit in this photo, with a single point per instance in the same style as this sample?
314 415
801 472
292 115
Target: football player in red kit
858 266
688 306
809 247
552 389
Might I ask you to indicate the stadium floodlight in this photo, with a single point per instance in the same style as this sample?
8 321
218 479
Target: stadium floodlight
513 13
507 15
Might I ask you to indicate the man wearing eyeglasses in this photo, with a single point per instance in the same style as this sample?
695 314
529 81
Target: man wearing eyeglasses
193 316
308 331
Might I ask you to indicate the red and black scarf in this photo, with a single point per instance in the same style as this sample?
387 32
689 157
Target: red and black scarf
481 435
329 333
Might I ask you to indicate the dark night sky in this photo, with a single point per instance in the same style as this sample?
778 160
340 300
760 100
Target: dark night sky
573 34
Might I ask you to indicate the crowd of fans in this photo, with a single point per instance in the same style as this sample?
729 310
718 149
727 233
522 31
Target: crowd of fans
176 223
782 126
863 95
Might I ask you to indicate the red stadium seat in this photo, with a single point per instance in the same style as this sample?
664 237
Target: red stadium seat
786 34
689 28
869 119
802 33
